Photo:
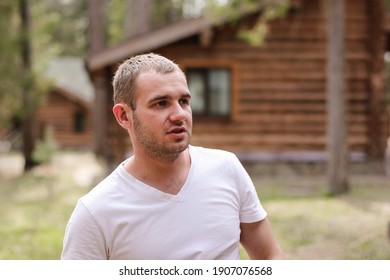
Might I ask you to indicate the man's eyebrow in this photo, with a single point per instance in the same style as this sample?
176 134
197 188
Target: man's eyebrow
159 98
167 97
186 95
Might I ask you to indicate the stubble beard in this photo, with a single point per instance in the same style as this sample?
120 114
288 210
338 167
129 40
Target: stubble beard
154 148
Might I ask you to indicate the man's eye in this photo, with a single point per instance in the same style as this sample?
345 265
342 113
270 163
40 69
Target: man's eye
161 104
185 101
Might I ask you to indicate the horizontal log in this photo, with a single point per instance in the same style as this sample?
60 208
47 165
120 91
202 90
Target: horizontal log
314 128
260 140
275 148
291 107
292 118
263 93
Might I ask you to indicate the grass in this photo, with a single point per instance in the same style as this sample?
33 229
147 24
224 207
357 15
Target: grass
35 207
307 223
31 223
311 225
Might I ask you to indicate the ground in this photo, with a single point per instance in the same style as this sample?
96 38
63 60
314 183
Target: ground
308 223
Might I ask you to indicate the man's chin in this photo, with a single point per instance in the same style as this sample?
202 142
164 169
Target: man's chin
181 146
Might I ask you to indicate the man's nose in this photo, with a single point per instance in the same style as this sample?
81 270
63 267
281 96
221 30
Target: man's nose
178 113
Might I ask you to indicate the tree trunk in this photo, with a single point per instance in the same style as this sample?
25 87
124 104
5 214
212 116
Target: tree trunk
97 25
97 31
137 17
28 121
377 102
337 165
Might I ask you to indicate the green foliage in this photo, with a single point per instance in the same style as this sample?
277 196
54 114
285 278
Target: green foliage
116 15
387 3
14 79
256 35
46 148
10 94
232 10
59 28
161 13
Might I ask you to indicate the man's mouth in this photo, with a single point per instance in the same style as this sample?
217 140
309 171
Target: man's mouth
177 130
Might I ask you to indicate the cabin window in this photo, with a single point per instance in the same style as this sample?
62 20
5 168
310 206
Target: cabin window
210 91
79 122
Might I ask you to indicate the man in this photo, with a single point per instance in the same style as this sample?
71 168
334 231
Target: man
170 200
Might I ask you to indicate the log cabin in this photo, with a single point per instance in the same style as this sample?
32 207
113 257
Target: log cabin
265 102
66 110
68 117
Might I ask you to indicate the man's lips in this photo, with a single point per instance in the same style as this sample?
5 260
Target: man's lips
177 130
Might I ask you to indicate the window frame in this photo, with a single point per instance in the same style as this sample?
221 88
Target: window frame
210 65
79 122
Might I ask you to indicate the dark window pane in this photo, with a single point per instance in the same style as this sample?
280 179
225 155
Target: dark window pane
79 122
210 91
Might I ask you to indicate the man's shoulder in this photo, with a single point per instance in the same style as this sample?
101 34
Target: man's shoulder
103 191
212 153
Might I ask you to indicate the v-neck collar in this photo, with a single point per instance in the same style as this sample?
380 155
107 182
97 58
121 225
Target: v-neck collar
133 184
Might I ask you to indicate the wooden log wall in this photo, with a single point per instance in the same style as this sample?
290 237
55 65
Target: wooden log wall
282 84
280 87
57 112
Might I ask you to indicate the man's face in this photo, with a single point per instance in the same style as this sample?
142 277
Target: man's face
162 120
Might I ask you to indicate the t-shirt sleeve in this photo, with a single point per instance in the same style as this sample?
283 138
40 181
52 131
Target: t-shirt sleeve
83 238
251 209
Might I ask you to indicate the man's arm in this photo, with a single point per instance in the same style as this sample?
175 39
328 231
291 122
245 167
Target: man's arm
83 238
259 242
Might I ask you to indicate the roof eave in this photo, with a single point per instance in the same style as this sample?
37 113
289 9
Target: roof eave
146 42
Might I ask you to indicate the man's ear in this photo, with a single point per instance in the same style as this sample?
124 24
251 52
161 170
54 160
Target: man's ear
122 113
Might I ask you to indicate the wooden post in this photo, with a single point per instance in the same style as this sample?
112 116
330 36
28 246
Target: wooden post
337 164
377 105
97 31
99 114
97 25
28 119
137 19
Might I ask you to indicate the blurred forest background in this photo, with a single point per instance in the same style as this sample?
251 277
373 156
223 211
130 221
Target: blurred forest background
37 32
39 184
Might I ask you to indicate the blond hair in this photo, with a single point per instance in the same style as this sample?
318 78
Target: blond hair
124 81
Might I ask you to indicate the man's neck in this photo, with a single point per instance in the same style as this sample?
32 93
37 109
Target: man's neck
166 175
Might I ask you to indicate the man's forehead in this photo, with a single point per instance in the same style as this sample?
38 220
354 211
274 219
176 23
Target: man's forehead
152 72
160 86
159 78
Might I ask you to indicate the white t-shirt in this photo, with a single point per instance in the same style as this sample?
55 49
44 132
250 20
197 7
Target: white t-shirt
123 218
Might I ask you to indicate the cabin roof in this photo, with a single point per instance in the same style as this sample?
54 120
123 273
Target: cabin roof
69 74
70 96
146 42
